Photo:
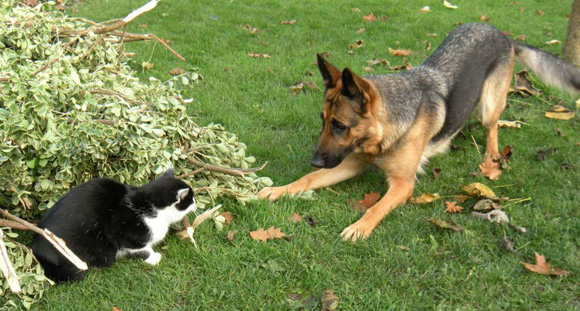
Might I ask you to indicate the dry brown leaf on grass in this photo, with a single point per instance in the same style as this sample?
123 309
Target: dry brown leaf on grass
425 9
510 124
295 218
479 190
378 61
360 30
370 199
290 22
231 234
425 198
523 85
490 169
116 309
329 300
400 52
227 217
258 55
369 18
264 235
555 41
176 71
543 267
452 207
560 112
484 18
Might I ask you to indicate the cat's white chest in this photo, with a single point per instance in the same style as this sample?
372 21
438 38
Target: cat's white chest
158 227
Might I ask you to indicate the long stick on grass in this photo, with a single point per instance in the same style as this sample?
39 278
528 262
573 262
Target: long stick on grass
57 242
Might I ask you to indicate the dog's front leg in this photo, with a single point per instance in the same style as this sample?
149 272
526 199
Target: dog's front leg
348 168
400 189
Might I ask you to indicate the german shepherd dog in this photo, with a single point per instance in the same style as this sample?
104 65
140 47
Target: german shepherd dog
397 121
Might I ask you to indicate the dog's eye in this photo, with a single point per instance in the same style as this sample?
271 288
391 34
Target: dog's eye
336 125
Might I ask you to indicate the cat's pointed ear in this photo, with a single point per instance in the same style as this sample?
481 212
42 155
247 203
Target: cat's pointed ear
182 193
170 172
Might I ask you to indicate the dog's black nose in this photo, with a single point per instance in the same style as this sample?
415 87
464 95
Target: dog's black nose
317 161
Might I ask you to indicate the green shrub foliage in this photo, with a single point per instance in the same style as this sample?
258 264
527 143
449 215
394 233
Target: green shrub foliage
72 109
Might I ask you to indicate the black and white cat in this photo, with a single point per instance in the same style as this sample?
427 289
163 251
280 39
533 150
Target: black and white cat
103 220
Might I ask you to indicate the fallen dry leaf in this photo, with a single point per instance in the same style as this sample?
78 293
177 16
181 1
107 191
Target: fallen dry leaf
370 17
295 218
425 9
176 71
264 235
428 46
146 65
356 10
370 199
509 124
521 38
436 171
360 30
479 190
32 3
543 154
290 22
357 44
329 300
555 41
378 61
484 18
450 225
486 205
449 5
356 206
490 169
400 52
452 207
540 12
250 29
523 85
425 198
543 267
560 112
258 55
231 234
368 69
228 217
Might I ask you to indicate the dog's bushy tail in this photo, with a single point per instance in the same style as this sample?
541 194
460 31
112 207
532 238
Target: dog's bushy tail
549 68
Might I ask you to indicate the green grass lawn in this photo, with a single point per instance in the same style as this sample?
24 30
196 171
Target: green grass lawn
407 263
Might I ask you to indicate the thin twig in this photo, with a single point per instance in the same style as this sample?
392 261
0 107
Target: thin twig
12 224
476 147
197 171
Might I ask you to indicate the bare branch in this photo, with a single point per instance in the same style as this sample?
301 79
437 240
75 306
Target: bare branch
6 267
224 170
57 242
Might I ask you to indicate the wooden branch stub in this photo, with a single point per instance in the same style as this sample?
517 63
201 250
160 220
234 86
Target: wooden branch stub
224 170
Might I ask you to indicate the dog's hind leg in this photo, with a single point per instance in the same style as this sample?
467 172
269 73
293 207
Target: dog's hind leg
493 101
348 168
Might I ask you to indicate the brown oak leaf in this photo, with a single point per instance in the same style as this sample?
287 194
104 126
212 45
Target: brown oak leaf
490 169
295 218
264 235
228 217
370 17
176 71
452 207
400 52
370 199
543 267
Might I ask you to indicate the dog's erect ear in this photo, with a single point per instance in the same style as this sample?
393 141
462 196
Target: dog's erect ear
355 87
182 193
169 173
330 74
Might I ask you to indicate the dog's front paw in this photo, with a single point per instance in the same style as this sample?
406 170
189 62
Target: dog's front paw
272 193
153 259
358 230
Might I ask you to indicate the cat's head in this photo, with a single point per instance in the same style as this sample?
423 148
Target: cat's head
168 191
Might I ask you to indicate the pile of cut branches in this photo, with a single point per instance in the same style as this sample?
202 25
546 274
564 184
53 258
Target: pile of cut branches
71 109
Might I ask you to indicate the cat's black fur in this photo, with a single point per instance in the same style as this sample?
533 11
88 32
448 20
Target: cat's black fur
102 220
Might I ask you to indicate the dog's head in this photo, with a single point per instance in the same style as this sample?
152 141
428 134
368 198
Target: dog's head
349 122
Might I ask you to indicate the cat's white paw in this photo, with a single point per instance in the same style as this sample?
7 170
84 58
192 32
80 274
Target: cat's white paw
153 259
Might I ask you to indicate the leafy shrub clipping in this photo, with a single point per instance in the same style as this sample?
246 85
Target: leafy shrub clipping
71 109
